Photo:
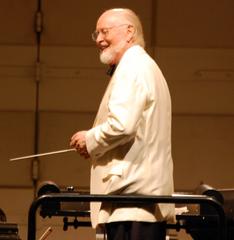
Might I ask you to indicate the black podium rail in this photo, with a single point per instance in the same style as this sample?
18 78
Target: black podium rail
76 197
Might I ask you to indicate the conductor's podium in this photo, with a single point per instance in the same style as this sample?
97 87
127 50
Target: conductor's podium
209 212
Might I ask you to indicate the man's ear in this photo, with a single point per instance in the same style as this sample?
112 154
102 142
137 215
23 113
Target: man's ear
131 32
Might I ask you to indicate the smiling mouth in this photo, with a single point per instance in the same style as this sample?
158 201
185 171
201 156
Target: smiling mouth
103 48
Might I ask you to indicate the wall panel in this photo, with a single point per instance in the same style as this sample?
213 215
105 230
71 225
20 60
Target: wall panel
203 151
56 130
204 24
72 24
17 22
200 80
17 139
17 78
72 79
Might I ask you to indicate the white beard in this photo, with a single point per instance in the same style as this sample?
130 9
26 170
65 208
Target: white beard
108 55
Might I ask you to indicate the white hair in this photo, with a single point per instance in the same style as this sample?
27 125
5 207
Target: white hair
130 17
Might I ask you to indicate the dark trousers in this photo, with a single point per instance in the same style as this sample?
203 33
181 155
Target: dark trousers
129 230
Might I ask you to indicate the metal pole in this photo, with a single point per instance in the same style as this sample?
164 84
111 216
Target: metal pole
76 197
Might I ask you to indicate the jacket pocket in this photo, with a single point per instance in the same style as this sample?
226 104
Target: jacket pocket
115 169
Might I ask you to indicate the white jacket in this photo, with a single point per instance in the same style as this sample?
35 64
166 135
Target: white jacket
130 143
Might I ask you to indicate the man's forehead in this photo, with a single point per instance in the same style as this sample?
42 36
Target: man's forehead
109 19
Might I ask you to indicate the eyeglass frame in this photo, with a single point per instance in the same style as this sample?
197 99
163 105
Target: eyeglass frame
105 31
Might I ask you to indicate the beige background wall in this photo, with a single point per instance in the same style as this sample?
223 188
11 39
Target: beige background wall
193 43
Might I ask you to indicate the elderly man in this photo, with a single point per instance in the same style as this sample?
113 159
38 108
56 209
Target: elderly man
130 142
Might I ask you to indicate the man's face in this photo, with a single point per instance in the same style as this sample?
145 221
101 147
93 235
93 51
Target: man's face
111 39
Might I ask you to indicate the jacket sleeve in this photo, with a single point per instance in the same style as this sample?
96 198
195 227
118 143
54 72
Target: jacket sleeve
125 108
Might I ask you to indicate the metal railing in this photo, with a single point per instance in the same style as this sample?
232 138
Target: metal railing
76 197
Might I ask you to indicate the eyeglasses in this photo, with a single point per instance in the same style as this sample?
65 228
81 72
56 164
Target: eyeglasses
105 31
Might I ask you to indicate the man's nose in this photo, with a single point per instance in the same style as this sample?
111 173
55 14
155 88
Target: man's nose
99 38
